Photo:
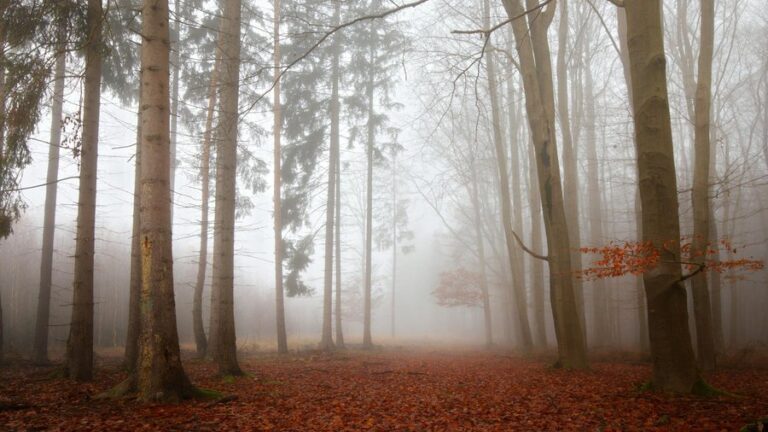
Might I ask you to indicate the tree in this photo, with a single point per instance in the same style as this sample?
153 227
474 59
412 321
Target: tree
459 287
79 355
535 63
702 309
674 365
282 338
40 346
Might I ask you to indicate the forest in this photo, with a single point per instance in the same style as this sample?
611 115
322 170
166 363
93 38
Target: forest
404 215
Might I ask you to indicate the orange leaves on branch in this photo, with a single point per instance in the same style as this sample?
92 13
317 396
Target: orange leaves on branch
635 258
459 287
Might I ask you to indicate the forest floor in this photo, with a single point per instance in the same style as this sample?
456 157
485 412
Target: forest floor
391 390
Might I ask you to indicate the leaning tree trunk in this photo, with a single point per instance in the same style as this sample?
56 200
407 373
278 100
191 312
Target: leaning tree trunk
702 309
159 374
79 356
225 349
326 341
674 365
518 289
282 336
539 99
201 343
40 347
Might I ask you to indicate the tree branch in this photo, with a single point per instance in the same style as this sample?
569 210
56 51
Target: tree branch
530 252
618 3
487 32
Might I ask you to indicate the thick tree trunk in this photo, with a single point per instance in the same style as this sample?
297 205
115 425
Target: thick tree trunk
79 356
518 289
702 309
674 365
537 82
134 286
176 64
201 343
160 375
40 347
326 341
367 341
225 348
282 336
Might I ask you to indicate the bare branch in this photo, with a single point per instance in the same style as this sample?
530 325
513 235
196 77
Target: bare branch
530 252
618 3
487 32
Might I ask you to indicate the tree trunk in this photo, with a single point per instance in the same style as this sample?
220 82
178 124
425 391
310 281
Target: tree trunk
79 356
160 375
481 257
225 348
394 239
674 366
326 342
282 336
367 342
337 232
539 99
134 294
702 309
40 348
602 323
537 266
201 344
518 288
570 171
176 63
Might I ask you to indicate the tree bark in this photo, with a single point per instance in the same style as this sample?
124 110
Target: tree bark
537 266
337 233
481 256
282 336
225 348
201 343
537 82
160 376
40 347
79 355
674 365
702 308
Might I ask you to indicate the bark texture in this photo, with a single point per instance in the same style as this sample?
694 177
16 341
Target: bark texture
674 365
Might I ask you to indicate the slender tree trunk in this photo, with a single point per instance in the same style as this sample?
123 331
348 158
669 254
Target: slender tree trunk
537 82
702 308
537 266
2 144
481 256
570 171
601 312
282 336
225 349
160 375
518 288
394 238
674 365
337 232
40 349
133 332
326 342
367 342
79 357
715 284
201 343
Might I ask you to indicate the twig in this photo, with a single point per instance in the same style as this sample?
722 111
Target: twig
487 32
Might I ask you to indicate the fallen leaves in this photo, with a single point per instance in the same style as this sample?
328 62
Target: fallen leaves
391 391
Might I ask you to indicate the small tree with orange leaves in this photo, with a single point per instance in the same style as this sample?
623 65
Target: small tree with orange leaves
459 287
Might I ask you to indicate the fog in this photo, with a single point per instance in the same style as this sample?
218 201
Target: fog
444 124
